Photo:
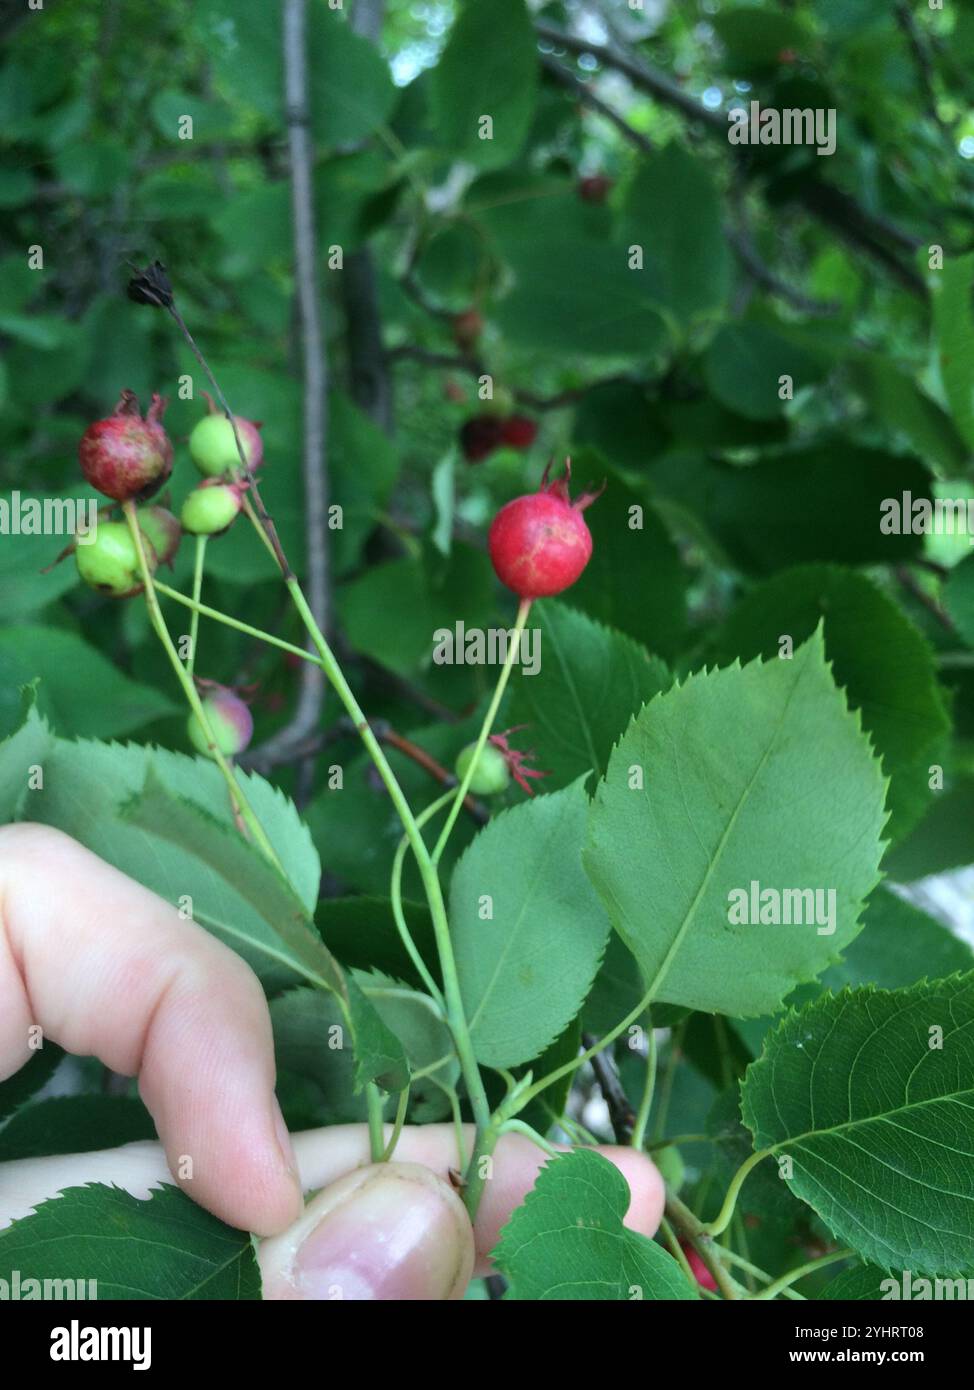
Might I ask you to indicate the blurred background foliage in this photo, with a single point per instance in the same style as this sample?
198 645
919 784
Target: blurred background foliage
760 514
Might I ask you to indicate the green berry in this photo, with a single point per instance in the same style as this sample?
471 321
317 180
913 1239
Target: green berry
491 775
162 530
230 720
109 562
669 1161
214 450
211 508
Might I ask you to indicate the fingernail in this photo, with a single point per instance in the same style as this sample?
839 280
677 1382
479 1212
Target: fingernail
390 1231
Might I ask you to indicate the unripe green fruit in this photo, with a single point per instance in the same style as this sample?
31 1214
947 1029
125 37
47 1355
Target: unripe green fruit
214 450
162 530
491 776
230 720
670 1163
110 562
210 509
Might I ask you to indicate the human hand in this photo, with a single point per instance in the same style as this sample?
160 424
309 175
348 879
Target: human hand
108 969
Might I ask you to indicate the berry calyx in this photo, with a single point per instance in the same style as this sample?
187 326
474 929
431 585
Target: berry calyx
467 328
491 775
520 432
229 719
127 456
539 544
163 532
480 436
110 563
211 508
213 448
517 759
594 188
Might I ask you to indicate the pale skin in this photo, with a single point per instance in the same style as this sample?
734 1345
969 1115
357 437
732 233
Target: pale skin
106 968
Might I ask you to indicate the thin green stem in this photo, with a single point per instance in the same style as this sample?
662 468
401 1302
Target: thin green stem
397 908
567 1067
513 647
235 623
376 1139
732 1257
238 801
431 883
723 1218
646 1104
520 1127
676 1250
793 1275
199 560
390 1148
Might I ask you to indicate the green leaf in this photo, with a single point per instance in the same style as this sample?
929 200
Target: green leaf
31 1078
818 504
859 1282
310 1041
743 364
590 682
898 946
415 1020
75 1124
166 1247
699 803
25 748
878 657
477 76
944 839
351 88
902 406
875 1117
673 212
526 967
635 580
959 598
73 799
361 931
953 327
567 1241
82 692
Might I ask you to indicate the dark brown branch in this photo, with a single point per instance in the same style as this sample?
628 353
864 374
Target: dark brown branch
621 1114
315 393
864 230
584 93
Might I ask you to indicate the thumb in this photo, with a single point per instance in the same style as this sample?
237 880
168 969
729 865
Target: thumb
389 1231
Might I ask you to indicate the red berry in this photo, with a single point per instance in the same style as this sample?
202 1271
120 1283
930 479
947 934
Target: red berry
787 55
594 188
520 432
699 1270
127 456
539 544
467 328
480 436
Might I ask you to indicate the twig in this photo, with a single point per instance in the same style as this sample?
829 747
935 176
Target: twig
314 457
909 582
622 1116
862 228
584 94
